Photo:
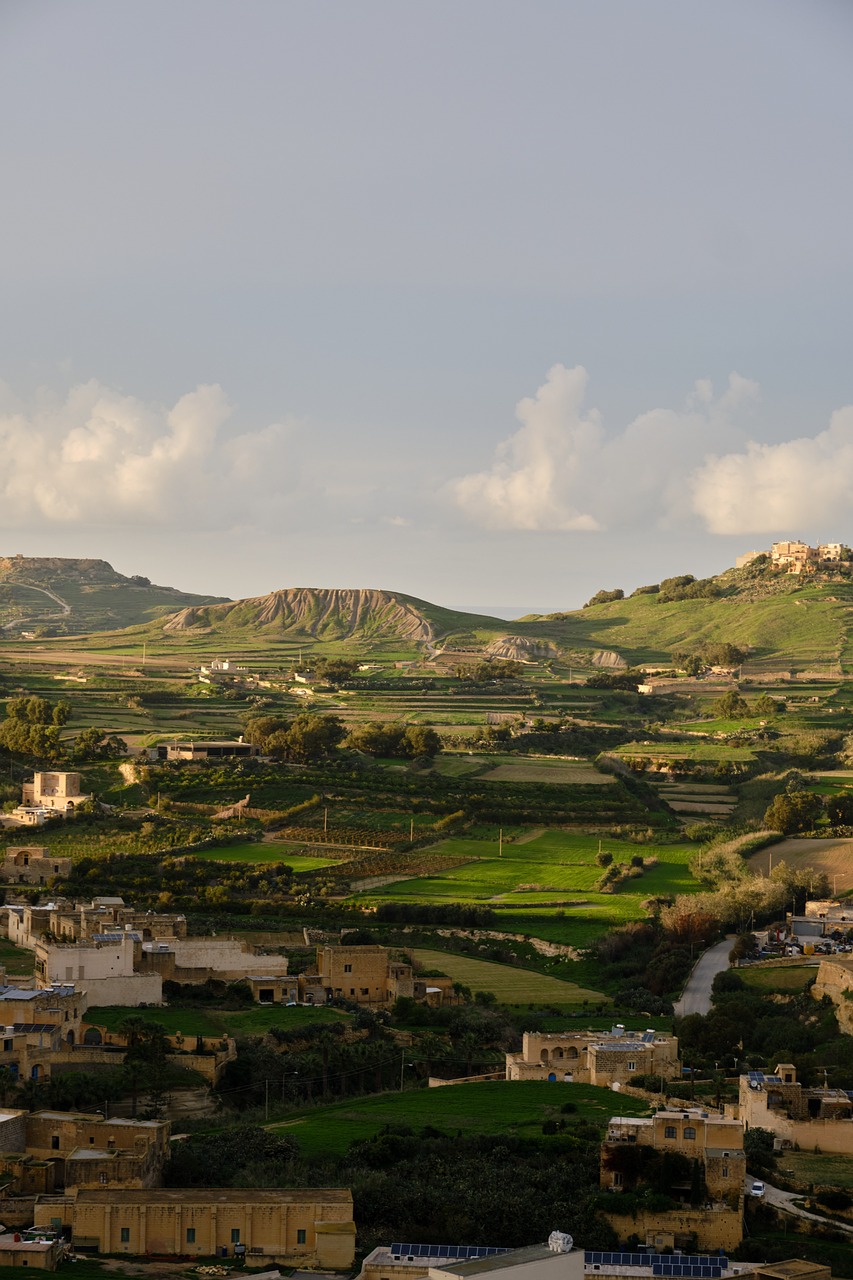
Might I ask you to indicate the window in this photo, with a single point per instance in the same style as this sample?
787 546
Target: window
7 1046
669 1131
125 1235
102 1177
725 1170
617 1179
300 1236
347 968
91 1142
235 1235
632 1066
54 1142
689 1133
365 991
190 1235
352 991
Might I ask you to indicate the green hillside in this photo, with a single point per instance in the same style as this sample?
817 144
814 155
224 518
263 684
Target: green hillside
784 622
62 596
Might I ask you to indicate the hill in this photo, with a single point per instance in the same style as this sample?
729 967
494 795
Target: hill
785 622
58 595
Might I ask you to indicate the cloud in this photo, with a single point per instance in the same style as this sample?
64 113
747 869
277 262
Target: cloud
561 472
99 457
768 488
533 480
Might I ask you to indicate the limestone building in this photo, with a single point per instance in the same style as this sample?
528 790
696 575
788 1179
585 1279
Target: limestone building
595 1057
308 1227
32 864
709 1187
59 792
808 1119
367 975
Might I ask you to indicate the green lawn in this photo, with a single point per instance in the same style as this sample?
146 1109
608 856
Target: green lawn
517 1107
254 1020
510 984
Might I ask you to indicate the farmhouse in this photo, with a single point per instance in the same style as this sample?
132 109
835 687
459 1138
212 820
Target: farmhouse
59 792
31 864
215 749
594 1057
708 1179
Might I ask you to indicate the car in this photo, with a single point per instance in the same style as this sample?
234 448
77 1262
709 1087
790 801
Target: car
757 1190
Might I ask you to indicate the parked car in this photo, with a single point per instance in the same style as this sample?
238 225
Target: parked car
757 1189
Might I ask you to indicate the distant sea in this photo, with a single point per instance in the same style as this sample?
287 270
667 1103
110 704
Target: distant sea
508 611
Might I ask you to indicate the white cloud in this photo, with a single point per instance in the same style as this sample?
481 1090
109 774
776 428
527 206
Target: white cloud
561 472
100 457
768 488
533 481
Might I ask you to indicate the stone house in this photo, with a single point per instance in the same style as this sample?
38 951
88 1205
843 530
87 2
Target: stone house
714 1166
367 975
59 792
808 1119
32 864
595 1057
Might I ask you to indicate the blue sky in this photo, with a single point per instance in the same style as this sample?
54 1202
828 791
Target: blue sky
491 303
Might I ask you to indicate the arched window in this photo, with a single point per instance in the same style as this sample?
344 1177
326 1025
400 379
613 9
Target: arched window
689 1133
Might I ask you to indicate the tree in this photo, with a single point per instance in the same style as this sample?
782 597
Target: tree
839 809
92 744
731 706
32 726
767 706
793 812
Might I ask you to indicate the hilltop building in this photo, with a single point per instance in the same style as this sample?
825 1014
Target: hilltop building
595 1057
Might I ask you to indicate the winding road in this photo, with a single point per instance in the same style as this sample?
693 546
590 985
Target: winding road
49 617
784 1202
696 996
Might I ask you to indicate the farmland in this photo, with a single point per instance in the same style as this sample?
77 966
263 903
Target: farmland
511 985
492 1107
254 1020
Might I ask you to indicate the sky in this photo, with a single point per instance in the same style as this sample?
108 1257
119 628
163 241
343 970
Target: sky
495 304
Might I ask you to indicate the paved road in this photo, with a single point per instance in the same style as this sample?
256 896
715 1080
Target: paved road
783 1201
696 996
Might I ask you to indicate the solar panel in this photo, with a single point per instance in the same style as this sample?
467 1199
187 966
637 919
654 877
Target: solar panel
445 1250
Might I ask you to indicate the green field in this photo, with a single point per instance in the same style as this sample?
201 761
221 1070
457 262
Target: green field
549 868
806 1168
517 1107
261 851
253 1020
511 985
16 960
783 978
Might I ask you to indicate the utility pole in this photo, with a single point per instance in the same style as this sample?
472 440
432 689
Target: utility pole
411 830
501 843
325 820
266 1100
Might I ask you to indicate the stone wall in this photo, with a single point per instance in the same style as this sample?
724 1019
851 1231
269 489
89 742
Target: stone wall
712 1228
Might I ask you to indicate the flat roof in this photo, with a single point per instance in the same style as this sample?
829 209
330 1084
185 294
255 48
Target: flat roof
215 1195
500 1261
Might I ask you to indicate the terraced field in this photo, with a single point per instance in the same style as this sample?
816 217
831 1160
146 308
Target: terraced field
552 868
